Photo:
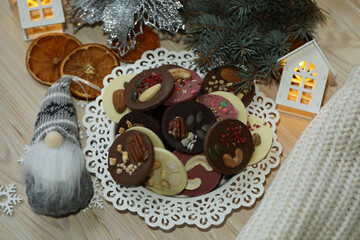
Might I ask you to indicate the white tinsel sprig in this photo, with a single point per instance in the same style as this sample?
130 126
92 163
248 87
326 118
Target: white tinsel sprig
119 18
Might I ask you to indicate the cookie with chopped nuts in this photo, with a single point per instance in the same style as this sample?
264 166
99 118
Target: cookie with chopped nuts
201 176
223 79
168 176
131 158
185 124
140 119
228 146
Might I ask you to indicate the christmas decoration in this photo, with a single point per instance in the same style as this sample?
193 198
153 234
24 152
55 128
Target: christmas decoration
303 80
38 17
119 18
81 103
57 182
97 199
10 197
252 34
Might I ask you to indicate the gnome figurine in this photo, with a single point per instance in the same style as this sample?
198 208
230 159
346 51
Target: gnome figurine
57 182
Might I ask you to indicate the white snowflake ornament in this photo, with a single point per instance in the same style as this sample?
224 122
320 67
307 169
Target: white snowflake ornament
82 103
8 199
20 161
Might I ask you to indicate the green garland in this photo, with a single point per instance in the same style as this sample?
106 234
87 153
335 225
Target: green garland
253 34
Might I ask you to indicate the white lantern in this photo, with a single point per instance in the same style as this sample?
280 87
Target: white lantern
38 17
303 80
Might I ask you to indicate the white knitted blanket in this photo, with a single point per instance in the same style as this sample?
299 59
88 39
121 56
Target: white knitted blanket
316 194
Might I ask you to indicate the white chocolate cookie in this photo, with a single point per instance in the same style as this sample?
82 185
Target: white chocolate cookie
107 99
168 176
258 126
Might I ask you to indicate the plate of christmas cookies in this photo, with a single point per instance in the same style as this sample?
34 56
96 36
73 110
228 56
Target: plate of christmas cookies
178 146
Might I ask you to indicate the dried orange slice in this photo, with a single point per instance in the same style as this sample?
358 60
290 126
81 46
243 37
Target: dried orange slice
148 40
45 53
91 62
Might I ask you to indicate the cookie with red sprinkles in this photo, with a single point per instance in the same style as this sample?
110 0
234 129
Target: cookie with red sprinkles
187 85
228 146
149 89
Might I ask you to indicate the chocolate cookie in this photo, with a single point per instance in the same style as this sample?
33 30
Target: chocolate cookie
229 146
220 106
223 79
168 66
185 124
148 89
187 85
131 158
262 138
201 176
236 102
141 119
156 141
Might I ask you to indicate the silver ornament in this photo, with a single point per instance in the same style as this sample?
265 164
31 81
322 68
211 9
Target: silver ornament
120 17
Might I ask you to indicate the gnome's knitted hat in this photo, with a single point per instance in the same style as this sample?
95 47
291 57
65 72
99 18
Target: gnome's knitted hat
57 113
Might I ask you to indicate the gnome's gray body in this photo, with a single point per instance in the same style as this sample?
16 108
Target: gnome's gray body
53 208
57 113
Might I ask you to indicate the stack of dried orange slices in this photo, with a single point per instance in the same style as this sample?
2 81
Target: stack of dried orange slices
53 55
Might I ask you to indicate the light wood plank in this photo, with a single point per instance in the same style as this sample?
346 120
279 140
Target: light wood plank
21 97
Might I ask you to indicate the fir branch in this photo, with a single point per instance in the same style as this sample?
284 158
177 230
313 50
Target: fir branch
251 33
203 26
302 31
277 43
269 68
244 45
193 8
247 73
245 8
213 51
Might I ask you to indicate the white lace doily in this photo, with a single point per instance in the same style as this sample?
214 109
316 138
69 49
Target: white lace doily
163 211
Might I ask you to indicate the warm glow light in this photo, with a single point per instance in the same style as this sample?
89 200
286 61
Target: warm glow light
32 3
48 13
311 67
293 95
45 2
306 98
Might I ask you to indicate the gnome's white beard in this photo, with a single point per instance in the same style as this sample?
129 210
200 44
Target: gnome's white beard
55 170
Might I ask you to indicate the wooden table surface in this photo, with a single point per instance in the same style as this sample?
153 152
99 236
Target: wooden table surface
21 97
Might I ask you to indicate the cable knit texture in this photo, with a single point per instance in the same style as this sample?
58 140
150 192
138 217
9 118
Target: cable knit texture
57 113
316 194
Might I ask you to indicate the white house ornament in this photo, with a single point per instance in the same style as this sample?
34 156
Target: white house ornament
57 182
303 80
38 17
